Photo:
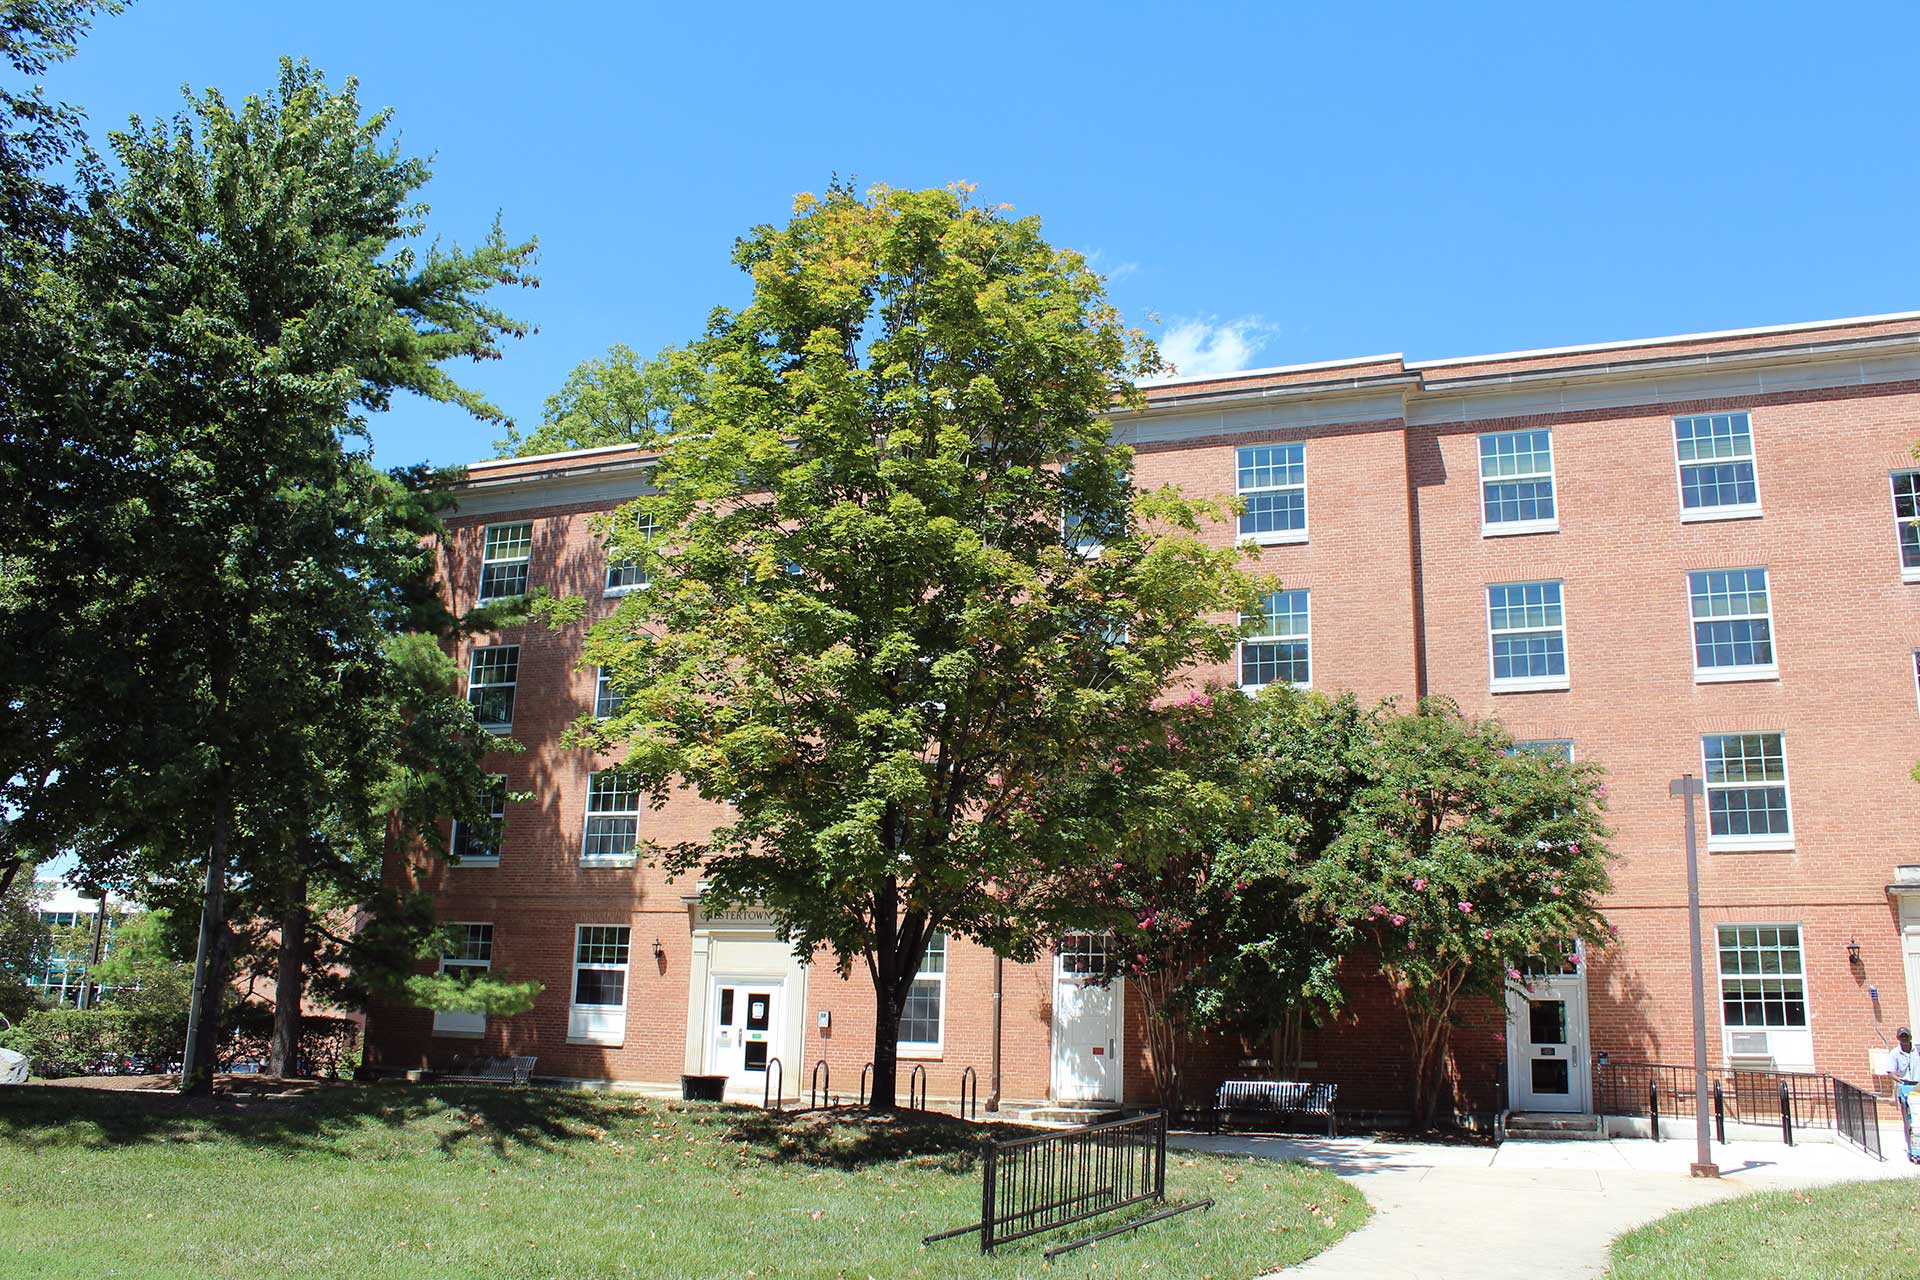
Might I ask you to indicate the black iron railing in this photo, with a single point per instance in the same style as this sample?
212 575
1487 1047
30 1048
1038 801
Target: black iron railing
1856 1115
1790 1099
1052 1180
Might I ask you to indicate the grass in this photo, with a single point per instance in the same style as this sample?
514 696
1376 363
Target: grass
400 1182
1863 1230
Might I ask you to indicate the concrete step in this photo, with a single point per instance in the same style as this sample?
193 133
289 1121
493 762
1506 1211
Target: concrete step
1052 1114
1555 1126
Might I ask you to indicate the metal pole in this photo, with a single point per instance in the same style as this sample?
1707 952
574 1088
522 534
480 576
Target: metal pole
993 1087
1688 787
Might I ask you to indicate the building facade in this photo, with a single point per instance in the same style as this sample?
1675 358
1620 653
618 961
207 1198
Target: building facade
1695 555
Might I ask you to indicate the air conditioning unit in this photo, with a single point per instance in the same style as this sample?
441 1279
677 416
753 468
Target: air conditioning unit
1748 1044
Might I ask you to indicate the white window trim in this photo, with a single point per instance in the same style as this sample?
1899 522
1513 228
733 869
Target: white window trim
453 838
1240 650
575 1033
485 563
1747 844
1734 675
473 656
611 592
608 859
1510 528
933 1048
1528 684
599 692
459 1028
1806 982
1906 574
1913 661
1737 511
1281 537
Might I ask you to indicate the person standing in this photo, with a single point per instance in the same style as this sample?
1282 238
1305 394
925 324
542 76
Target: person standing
1903 1064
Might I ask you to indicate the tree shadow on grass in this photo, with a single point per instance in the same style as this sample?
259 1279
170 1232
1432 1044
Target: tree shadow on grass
332 1119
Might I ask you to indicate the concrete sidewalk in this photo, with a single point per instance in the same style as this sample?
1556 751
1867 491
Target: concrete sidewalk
1529 1210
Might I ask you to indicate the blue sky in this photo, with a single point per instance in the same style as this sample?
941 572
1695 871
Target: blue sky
1276 185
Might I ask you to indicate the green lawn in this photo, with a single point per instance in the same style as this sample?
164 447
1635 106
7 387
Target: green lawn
391 1181
1853 1231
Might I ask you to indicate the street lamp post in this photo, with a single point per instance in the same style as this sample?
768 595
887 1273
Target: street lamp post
1687 787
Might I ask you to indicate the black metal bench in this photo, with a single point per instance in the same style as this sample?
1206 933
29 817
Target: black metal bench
490 1070
1263 1102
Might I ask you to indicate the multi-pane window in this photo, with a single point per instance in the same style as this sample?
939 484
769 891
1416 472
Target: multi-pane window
1715 455
505 552
1560 749
607 700
1732 623
1516 482
1272 481
469 955
1278 648
1527 626
492 675
599 1012
921 1020
478 843
1746 777
1906 522
1083 955
613 818
630 575
1762 983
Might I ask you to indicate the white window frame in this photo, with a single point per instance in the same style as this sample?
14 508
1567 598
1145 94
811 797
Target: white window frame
935 1047
1508 528
1070 521
1728 675
1302 638
1914 661
1806 1002
498 782
1732 511
1551 748
647 529
586 831
601 1024
1907 573
488 561
473 661
601 690
459 1024
1529 684
1278 537
1770 842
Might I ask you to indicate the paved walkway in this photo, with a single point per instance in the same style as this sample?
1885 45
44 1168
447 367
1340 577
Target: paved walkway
1530 1210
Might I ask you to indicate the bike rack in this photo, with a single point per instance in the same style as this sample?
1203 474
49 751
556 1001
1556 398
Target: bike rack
866 1075
818 1088
969 1076
919 1077
770 1096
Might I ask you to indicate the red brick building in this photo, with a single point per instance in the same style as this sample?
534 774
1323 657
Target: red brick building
1681 555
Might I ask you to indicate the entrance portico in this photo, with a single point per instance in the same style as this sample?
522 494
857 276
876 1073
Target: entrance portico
745 989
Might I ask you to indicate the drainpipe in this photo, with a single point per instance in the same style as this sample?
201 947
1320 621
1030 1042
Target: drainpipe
993 1084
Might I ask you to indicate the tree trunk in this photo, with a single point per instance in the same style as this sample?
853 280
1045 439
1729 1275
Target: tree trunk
290 980
886 1048
209 966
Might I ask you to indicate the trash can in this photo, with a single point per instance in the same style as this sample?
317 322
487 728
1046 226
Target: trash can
703 1088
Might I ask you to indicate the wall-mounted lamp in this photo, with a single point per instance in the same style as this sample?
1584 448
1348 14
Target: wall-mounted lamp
1853 951
659 952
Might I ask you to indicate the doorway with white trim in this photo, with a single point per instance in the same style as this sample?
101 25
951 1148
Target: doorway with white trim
1088 1022
1547 1063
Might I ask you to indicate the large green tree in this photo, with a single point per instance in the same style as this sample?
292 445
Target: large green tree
1458 860
904 591
261 287
613 399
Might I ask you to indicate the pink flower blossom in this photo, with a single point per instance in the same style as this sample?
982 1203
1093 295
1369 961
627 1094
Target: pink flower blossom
1556 891
1466 908
1514 974
1419 883
1379 909
1572 848
1487 934
1399 920
1119 866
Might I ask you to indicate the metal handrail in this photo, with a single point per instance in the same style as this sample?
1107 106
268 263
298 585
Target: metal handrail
918 1077
966 1077
769 1096
818 1087
866 1077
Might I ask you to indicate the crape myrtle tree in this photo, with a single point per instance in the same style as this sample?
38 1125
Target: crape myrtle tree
1459 859
886 624
1213 815
260 287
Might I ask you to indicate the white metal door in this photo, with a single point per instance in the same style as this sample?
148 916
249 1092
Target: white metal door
1547 1045
1086 1023
744 1027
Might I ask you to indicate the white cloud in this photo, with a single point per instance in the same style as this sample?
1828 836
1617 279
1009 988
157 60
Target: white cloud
1200 347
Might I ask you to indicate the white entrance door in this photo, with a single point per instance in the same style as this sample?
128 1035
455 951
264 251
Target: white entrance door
1086 1023
1547 1045
744 1026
